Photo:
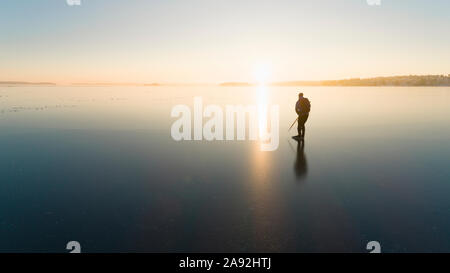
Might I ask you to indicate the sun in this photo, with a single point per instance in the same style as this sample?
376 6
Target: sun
262 73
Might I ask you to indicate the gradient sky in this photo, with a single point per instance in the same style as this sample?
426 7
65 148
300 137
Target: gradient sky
220 40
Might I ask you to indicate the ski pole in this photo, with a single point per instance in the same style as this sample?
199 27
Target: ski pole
293 124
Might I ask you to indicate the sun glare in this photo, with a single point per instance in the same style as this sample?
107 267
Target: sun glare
262 73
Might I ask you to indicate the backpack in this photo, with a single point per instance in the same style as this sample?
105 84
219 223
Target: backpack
305 106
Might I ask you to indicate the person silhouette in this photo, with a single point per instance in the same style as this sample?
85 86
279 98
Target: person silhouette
302 108
300 165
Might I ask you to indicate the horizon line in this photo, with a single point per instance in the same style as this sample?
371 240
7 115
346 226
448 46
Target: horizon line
225 83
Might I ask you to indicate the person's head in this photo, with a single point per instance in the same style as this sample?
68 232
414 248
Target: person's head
300 95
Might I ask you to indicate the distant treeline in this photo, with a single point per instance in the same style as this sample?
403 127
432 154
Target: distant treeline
236 84
24 83
411 80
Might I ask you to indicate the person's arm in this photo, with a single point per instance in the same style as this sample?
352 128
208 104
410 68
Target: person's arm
297 107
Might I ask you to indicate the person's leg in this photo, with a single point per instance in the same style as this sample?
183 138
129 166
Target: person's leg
299 126
305 118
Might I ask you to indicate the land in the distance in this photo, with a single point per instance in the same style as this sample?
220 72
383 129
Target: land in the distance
411 80
24 83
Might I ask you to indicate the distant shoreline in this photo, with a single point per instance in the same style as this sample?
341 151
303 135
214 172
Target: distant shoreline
400 81
411 80
2 83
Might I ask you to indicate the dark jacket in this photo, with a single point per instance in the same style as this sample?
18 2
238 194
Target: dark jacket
302 107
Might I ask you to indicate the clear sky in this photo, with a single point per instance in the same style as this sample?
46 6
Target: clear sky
221 40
